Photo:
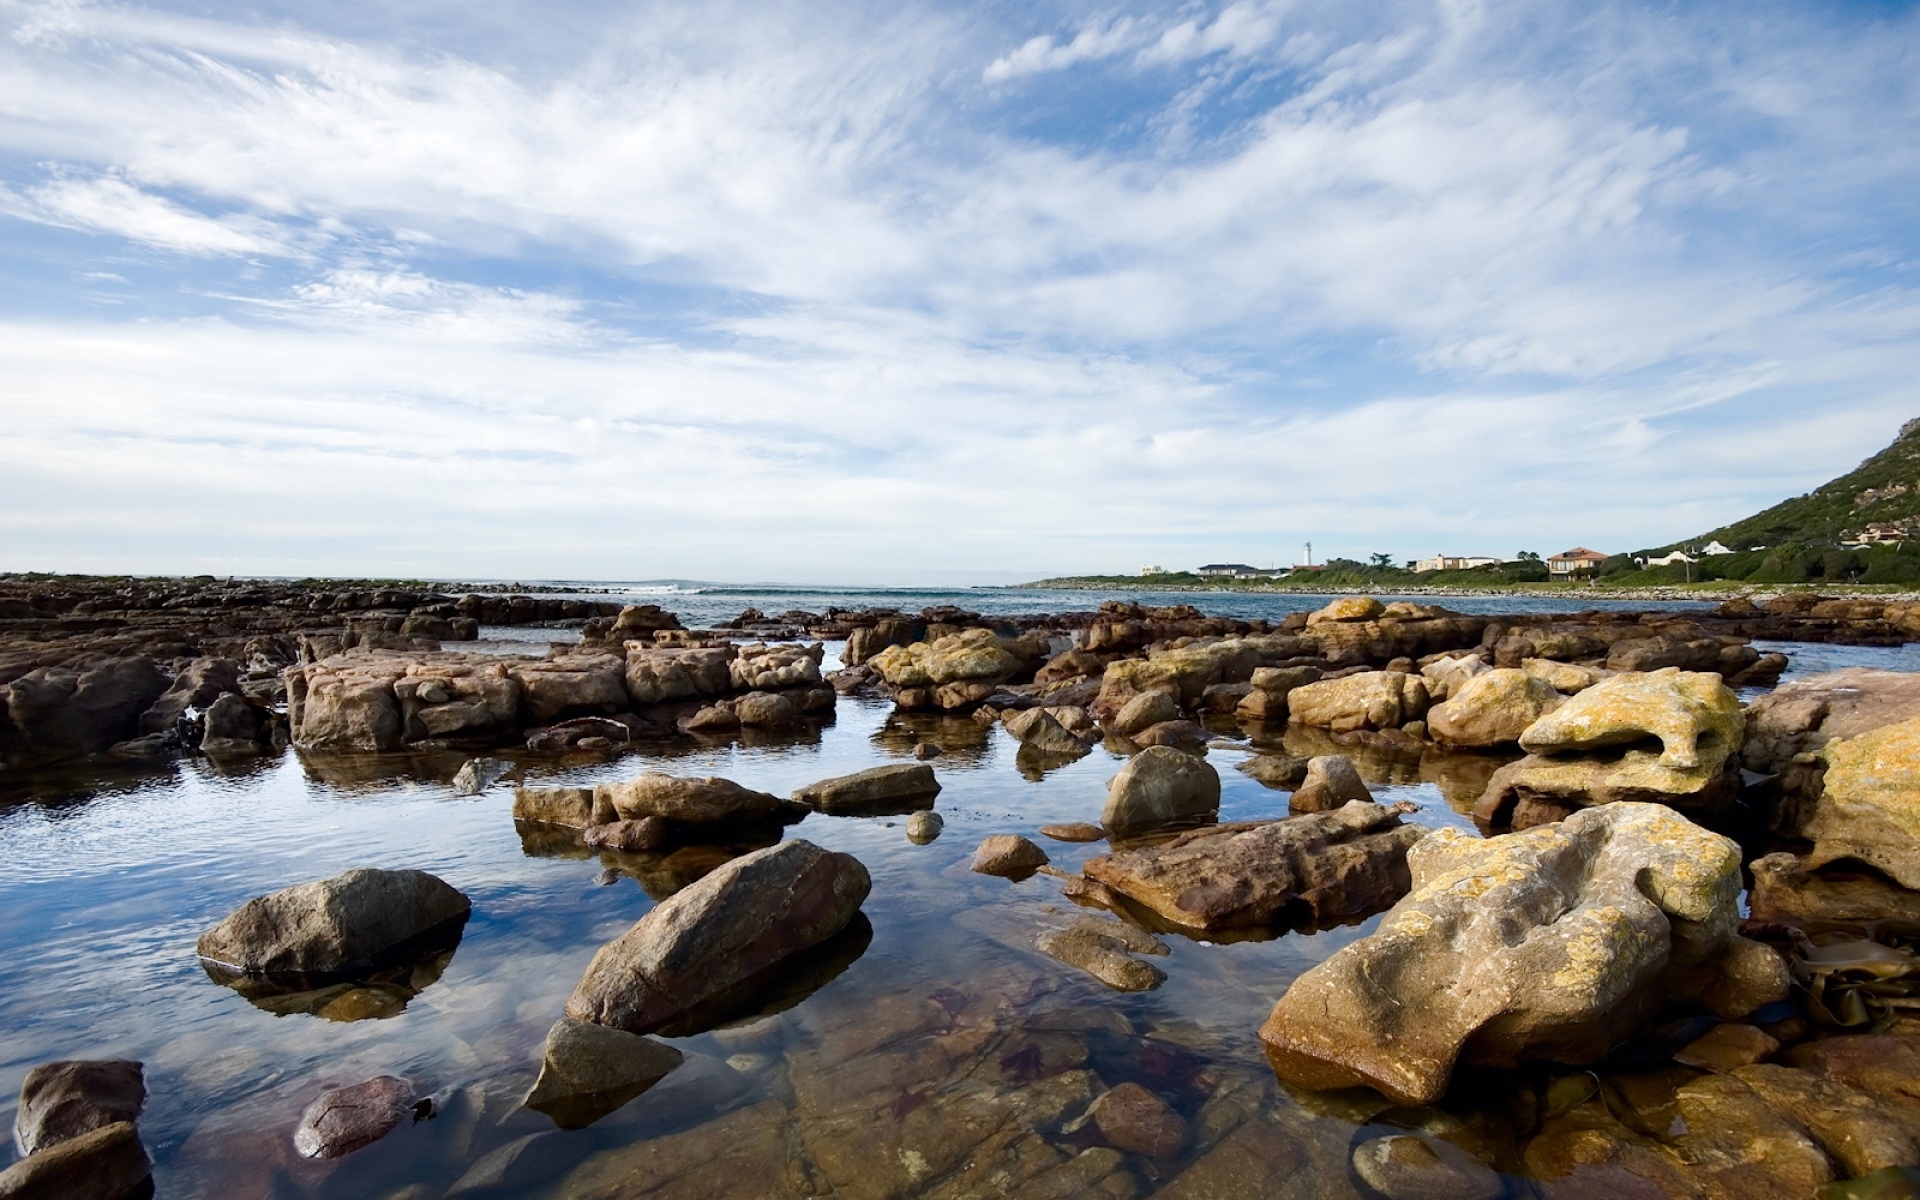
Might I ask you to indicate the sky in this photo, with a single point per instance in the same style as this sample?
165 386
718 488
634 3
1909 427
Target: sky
920 293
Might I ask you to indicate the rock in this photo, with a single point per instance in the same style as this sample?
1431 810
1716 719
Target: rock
1785 890
574 807
1172 734
332 925
1259 1149
105 1164
762 667
655 675
349 1118
1696 719
688 800
923 827
60 1101
1040 729
1260 874
969 656
1091 948
1869 804
1445 676
647 833
1492 708
231 728
1347 608
1008 855
894 788
1562 677
1538 790
580 733
1545 944
519 1167
1148 708
1271 687
1802 716
476 775
1284 771
1330 782
765 710
1159 787
60 712
1409 1167
1736 1145
714 718
1077 832
1725 1047
1369 700
925 750
588 1071
194 687
1133 1119
1854 1128
720 933
570 686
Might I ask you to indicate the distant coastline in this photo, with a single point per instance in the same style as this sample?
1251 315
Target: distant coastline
1719 589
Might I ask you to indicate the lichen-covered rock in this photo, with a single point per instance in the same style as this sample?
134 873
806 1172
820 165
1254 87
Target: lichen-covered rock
688 800
1565 678
972 655
1545 944
1270 688
1330 782
1447 675
1369 700
1692 714
1803 715
1786 890
1347 608
1161 786
333 924
1537 789
1869 803
1262 874
895 787
763 668
1492 708
721 933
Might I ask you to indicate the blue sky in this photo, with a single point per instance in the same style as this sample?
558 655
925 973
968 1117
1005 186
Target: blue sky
919 293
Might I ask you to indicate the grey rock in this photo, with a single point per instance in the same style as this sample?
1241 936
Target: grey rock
332 924
59 1101
349 1118
589 1071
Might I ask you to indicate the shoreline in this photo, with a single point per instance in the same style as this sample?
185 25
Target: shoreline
1718 591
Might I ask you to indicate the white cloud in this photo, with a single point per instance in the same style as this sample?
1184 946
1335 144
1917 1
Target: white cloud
1044 53
111 205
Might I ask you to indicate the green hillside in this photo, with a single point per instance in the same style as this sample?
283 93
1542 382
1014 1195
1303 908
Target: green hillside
1884 490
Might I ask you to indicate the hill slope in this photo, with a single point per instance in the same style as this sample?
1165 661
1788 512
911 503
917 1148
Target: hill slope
1884 490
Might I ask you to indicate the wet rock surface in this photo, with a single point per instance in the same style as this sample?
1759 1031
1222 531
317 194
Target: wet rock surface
60 1101
352 1118
108 1163
896 787
1008 855
1159 787
588 1071
333 925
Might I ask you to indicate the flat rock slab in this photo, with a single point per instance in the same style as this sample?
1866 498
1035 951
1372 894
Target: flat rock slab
349 1118
720 933
60 1101
690 801
1257 874
896 787
333 925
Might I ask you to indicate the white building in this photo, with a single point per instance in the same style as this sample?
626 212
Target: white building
1454 562
1152 570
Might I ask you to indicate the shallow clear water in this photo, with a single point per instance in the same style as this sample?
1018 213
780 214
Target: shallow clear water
113 875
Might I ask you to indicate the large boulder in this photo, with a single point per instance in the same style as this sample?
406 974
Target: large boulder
60 1101
688 800
106 1164
1368 700
1492 708
970 656
655 675
1331 781
1143 711
764 668
1868 808
896 787
54 713
1262 874
572 686
1802 716
1161 786
344 923
720 935
1552 943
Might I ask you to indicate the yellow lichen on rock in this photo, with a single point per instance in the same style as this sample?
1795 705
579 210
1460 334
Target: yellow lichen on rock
1869 804
972 654
1692 713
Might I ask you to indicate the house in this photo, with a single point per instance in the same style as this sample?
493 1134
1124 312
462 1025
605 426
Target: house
1576 563
1876 535
1152 570
1712 548
1229 571
1667 560
1454 562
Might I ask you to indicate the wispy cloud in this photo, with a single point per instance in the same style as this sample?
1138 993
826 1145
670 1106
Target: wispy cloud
111 205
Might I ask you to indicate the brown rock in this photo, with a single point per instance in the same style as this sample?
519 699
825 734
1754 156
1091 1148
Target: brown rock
59 1101
1726 1047
1786 890
1283 771
346 1119
896 787
1161 786
1369 700
923 827
1262 873
1492 709
574 807
765 710
106 1164
1148 708
647 833
1409 1167
588 1071
1737 1145
1080 832
1331 782
1094 949
333 924
1040 729
1008 855
1175 734
1853 1127
688 800
1133 1119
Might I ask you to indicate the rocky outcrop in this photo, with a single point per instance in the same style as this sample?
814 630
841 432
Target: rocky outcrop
702 948
588 1071
333 925
1370 700
1492 708
974 656
761 667
689 801
1266 699
1802 716
1358 629
1786 890
1265 874
1868 809
1552 943
61 712
656 675
1599 748
1160 787
894 788
1447 674
352 1118
1040 729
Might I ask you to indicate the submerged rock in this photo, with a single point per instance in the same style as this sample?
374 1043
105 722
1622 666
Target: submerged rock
1101 955
647 833
720 935
349 1118
108 1163
1133 1119
894 788
589 1070
1263 874
1331 781
1545 944
1407 1166
1284 771
1008 855
1161 786
60 1101
332 925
